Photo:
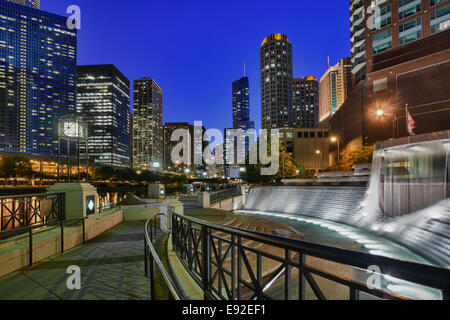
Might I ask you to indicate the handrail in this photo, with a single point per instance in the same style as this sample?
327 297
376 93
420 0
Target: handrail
31 195
425 275
154 259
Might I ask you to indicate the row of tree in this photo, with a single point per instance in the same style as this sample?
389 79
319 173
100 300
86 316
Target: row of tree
17 167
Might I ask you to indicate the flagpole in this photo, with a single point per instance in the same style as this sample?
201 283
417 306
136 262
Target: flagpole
407 120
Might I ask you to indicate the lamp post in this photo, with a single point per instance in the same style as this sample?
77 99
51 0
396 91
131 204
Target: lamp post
334 140
72 128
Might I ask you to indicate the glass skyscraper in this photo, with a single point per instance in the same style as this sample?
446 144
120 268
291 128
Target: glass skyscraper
29 3
37 78
103 101
241 105
306 102
147 124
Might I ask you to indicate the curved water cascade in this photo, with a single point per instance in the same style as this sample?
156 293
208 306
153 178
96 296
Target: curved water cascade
407 199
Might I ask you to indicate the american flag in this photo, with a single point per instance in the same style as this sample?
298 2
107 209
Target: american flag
411 122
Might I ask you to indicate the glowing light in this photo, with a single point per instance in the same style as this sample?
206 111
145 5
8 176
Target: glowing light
380 113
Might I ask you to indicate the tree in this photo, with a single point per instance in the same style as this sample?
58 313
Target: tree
16 167
350 158
125 174
103 173
287 167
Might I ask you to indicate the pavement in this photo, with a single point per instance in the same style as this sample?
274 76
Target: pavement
112 268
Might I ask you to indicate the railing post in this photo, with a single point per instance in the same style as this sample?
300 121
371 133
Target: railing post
62 236
287 275
30 246
84 231
152 278
145 257
233 267
301 277
354 294
205 260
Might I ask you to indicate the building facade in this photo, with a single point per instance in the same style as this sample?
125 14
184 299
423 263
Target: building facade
335 86
29 3
305 102
103 101
309 147
408 72
169 129
358 39
276 82
147 124
241 105
38 59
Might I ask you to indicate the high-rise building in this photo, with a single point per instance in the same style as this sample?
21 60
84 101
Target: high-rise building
276 82
404 21
147 125
335 86
169 129
29 3
103 101
37 78
305 102
358 39
408 76
241 105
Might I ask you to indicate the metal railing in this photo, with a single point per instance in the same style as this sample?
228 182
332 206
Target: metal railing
224 194
230 263
45 227
152 261
21 211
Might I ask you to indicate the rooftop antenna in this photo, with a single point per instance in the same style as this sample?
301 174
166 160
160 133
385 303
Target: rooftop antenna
245 69
328 60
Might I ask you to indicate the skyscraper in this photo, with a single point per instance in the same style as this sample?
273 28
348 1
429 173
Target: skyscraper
103 101
276 82
147 124
306 102
241 105
29 3
335 86
169 129
358 39
37 78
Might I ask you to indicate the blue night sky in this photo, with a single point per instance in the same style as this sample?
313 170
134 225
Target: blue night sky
195 49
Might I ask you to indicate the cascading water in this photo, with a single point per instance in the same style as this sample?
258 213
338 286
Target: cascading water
408 198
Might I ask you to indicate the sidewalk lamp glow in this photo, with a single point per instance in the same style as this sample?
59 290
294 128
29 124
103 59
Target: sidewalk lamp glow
334 139
156 165
318 152
380 113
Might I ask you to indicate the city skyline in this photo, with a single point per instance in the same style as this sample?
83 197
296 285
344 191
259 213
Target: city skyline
210 58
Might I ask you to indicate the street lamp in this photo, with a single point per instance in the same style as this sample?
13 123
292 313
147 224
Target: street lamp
72 128
380 113
334 140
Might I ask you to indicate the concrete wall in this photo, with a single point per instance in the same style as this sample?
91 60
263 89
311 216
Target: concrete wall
230 204
14 254
138 213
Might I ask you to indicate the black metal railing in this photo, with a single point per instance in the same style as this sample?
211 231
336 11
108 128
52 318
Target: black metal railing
217 196
36 229
230 263
22 211
152 261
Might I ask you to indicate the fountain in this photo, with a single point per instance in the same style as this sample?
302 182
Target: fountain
407 200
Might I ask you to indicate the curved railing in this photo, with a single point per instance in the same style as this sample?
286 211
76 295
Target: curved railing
229 263
152 260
